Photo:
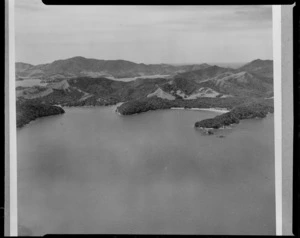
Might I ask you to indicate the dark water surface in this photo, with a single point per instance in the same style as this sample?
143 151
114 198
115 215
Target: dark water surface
93 171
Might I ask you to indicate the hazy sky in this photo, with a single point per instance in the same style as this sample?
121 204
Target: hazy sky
143 34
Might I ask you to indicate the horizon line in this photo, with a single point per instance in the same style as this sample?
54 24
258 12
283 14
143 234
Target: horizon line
177 64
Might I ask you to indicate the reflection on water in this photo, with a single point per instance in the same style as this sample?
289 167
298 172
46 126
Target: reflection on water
92 171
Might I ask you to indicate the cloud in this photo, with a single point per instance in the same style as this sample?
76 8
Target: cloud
149 32
209 18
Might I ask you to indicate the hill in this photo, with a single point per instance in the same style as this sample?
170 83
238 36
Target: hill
209 82
248 110
263 68
27 111
79 67
204 74
207 86
214 81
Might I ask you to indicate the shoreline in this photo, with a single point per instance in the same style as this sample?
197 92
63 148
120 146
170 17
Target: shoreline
215 129
115 108
220 110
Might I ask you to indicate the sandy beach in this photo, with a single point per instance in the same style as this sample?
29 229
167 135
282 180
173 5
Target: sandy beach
220 110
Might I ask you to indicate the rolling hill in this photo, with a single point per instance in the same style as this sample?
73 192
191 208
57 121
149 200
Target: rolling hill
210 81
203 86
81 67
262 68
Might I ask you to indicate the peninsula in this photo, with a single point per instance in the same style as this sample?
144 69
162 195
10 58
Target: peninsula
27 112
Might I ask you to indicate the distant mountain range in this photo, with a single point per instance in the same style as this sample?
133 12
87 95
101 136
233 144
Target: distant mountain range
80 67
254 79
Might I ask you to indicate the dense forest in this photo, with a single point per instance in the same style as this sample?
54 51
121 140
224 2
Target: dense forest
244 111
155 103
27 111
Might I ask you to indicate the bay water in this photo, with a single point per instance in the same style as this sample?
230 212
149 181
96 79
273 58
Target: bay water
91 170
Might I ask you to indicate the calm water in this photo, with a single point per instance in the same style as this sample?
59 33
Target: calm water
92 171
134 78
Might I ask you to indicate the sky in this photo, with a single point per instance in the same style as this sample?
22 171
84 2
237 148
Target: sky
142 34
